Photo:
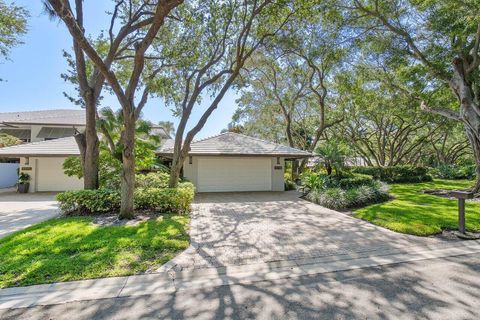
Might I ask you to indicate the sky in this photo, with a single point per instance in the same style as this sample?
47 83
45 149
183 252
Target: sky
32 74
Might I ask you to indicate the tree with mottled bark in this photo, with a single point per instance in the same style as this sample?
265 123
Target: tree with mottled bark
440 41
138 23
208 52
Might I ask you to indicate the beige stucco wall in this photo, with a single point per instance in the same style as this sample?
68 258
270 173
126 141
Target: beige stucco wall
46 174
190 171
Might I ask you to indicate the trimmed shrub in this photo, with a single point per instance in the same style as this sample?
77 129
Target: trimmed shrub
152 180
396 174
356 180
89 201
176 200
316 181
454 172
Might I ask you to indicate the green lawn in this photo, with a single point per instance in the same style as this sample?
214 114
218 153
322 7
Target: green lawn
416 213
74 248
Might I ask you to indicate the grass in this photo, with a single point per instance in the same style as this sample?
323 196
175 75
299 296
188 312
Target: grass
421 214
74 248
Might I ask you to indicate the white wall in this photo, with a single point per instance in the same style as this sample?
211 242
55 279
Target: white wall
8 174
46 174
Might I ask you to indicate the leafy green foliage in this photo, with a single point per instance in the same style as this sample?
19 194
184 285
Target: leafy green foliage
397 174
344 198
23 178
7 140
151 194
13 24
176 200
86 202
414 212
74 248
111 124
332 155
454 172
152 180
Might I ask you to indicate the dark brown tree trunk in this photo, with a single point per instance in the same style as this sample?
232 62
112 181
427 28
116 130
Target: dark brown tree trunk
128 167
91 156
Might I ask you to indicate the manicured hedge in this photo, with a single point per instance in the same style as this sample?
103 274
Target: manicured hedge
454 172
89 201
165 199
396 174
356 180
149 196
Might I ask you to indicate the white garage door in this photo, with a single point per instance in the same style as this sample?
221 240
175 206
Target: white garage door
50 176
234 174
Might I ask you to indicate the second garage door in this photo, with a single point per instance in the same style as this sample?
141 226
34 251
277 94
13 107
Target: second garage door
234 174
50 176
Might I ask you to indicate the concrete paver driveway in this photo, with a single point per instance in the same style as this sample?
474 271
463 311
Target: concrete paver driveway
244 228
18 211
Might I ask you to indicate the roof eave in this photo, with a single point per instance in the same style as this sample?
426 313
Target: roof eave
38 155
282 155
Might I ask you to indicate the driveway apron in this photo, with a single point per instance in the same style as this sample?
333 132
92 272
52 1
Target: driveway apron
18 211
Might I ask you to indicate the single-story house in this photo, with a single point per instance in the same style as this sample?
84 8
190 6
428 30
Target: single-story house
222 163
235 162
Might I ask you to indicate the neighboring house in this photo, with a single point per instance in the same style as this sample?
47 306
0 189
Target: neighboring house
33 126
226 162
48 141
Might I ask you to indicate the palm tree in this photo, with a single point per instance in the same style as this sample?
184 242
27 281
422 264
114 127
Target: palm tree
333 156
168 126
110 124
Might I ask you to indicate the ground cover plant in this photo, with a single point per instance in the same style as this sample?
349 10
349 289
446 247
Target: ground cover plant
414 212
75 248
343 191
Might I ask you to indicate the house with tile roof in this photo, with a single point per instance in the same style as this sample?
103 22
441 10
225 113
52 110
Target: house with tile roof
227 162
48 139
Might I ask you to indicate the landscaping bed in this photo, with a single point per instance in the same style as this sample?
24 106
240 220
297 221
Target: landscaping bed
414 212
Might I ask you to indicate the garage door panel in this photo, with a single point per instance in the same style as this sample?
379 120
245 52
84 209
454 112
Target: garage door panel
234 174
50 176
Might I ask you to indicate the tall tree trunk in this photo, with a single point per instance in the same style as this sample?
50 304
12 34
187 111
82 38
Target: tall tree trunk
469 111
128 167
91 156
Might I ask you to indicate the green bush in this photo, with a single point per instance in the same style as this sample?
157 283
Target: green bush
87 202
356 180
454 172
176 200
338 198
319 181
152 180
396 174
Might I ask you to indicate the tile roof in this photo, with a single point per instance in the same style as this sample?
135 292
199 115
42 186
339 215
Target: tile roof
230 143
56 147
224 144
52 117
